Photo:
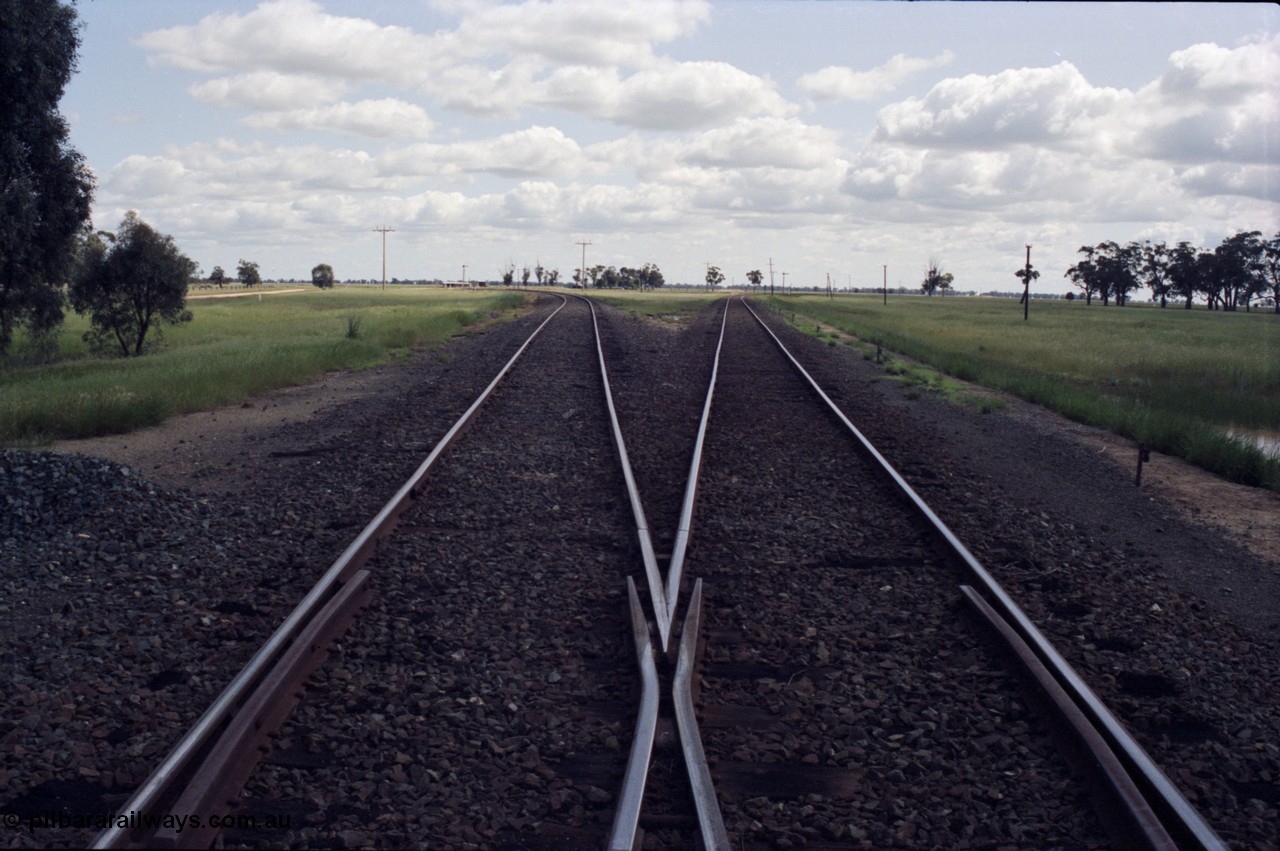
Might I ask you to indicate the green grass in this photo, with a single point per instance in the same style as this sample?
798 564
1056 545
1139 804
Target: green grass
656 304
233 349
1172 379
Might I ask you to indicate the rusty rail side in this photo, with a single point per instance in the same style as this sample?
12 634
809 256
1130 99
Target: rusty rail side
1137 824
235 754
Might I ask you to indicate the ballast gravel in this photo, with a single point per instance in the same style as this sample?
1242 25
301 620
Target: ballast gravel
127 605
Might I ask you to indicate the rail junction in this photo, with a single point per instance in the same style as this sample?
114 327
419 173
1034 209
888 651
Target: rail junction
744 637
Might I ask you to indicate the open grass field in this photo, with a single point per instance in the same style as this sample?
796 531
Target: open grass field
234 349
1175 380
657 304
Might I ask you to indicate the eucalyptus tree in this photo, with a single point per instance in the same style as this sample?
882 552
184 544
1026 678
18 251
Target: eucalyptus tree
650 276
131 283
247 272
1271 268
935 280
1185 271
45 187
1240 269
322 276
1084 273
1117 267
1154 270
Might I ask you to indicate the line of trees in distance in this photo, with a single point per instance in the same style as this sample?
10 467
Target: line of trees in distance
1243 269
648 276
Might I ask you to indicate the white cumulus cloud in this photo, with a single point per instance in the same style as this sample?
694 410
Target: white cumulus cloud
387 118
268 90
837 82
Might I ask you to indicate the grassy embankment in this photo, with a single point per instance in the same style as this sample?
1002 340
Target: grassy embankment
1172 379
234 349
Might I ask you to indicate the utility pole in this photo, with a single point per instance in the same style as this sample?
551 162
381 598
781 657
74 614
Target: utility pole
1027 284
885 284
384 230
770 276
784 283
464 274
582 274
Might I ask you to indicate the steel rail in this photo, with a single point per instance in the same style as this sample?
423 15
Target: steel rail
647 554
623 834
626 818
1184 823
685 526
149 793
710 822
1141 825
221 776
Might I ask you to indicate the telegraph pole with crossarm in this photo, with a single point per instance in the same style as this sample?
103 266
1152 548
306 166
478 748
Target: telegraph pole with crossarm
384 230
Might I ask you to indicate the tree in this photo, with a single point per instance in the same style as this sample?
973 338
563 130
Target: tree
714 277
1209 275
607 277
552 277
1116 265
45 187
935 280
1240 269
1271 268
131 285
1184 272
539 272
218 276
1109 269
755 278
1084 274
322 276
524 276
651 277
247 272
1154 270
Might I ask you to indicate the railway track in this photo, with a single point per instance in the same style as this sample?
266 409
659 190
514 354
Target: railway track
823 725
818 725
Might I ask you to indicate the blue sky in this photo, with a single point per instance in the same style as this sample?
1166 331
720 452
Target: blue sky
835 137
